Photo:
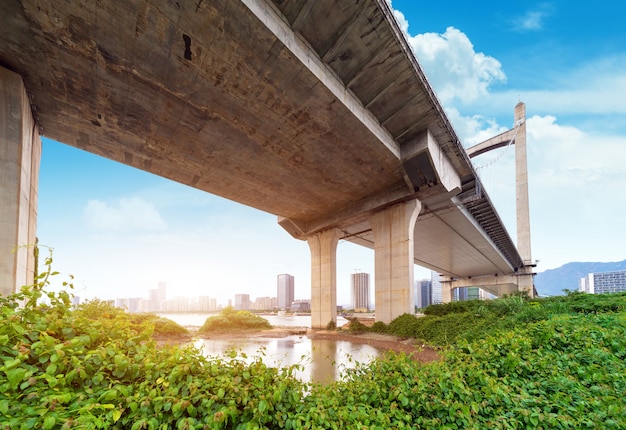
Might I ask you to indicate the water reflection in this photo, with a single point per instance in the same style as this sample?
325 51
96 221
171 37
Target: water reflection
323 361
320 360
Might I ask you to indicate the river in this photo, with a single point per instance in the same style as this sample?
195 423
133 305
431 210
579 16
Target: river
320 360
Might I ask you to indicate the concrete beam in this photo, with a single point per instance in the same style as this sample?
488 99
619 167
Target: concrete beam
498 285
20 155
503 139
353 213
427 166
323 248
394 259
274 22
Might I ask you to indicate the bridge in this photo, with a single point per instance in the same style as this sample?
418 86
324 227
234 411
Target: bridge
313 110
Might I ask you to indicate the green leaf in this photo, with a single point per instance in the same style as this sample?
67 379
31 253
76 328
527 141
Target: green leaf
51 369
49 421
4 407
18 329
108 395
15 376
10 364
117 414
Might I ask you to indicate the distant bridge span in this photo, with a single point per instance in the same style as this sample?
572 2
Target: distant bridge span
313 110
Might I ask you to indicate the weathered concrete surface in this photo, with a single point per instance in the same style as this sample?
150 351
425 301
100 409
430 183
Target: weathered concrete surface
323 248
394 260
299 108
20 153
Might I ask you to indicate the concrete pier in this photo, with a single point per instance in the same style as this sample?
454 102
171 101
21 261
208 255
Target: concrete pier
323 248
394 259
20 155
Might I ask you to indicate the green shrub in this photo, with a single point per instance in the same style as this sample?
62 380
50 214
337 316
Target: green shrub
161 327
506 306
356 327
453 307
404 326
379 327
231 320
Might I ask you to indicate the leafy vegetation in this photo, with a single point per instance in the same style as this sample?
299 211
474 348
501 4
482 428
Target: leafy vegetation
230 320
447 324
96 368
157 326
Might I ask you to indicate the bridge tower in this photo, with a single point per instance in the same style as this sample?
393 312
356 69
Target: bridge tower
522 278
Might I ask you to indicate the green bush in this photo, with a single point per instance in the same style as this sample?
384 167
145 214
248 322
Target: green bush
106 314
441 309
231 320
379 327
356 327
161 327
404 326
506 306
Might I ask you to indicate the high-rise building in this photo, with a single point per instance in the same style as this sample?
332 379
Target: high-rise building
157 297
285 293
361 291
242 302
435 279
469 293
302 306
423 293
264 303
603 282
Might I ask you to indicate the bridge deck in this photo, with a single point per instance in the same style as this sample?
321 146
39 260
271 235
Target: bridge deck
300 108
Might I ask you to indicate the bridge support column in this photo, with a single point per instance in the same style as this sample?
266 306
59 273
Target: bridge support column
447 292
20 154
394 259
323 248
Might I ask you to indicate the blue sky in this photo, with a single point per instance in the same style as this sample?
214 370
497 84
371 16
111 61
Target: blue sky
119 231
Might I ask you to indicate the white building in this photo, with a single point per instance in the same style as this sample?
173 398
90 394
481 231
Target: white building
601 283
436 292
285 286
361 291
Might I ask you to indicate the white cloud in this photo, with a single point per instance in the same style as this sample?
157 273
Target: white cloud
533 20
567 148
455 69
128 214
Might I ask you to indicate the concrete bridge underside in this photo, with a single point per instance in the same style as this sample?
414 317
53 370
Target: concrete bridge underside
313 110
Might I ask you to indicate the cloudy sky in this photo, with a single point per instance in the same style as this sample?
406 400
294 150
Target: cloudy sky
119 231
